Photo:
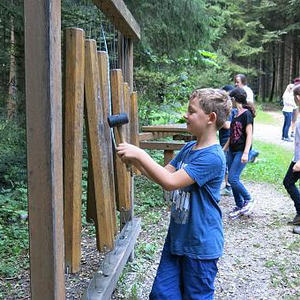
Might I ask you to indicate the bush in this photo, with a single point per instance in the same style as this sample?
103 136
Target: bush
12 154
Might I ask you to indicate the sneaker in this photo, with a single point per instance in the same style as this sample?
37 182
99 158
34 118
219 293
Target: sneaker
288 140
248 207
295 221
226 191
296 229
292 134
235 213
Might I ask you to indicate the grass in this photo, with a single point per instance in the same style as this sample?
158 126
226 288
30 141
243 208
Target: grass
272 165
263 117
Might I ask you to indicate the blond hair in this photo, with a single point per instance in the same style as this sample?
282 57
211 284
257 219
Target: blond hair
214 100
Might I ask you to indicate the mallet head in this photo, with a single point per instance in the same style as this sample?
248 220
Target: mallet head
117 120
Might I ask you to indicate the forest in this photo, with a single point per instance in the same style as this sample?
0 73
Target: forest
184 44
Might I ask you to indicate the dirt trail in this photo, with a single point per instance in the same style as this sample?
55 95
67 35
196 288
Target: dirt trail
271 133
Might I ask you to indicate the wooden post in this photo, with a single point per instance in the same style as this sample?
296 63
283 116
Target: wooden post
104 84
74 96
134 124
126 98
44 147
98 150
123 176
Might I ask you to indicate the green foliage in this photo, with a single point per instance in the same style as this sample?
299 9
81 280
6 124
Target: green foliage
14 242
12 154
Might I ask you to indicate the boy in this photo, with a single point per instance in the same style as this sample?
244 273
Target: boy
293 173
195 240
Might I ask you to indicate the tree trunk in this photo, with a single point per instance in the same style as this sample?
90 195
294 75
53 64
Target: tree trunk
11 102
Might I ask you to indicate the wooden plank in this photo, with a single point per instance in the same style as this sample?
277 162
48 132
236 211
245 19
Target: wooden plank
44 147
156 145
104 84
104 281
177 128
98 153
184 137
134 124
121 17
73 135
123 176
168 156
145 136
126 97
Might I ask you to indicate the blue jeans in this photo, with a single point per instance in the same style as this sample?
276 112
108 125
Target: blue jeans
181 277
286 124
289 183
235 168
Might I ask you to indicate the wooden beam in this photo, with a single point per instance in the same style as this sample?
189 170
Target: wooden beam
145 136
44 147
73 136
121 17
104 281
156 145
104 84
123 176
98 151
176 128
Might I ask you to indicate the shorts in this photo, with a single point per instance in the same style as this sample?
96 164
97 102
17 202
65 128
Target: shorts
180 277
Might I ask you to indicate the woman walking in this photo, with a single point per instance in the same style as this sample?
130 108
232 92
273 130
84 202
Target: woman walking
288 107
239 145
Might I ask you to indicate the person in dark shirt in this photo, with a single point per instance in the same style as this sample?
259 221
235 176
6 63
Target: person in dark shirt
239 145
224 134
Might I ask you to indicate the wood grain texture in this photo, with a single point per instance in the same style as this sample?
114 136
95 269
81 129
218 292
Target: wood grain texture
73 135
122 175
44 147
99 154
104 87
121 17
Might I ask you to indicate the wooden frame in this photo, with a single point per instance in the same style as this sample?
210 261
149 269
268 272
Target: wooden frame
119 14
44 136
44 147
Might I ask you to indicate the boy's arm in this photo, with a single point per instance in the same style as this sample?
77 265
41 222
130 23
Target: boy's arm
296 167
167 177
168 167
226 125
225 147
245 155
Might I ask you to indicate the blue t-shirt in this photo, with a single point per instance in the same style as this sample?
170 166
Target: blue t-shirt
196 228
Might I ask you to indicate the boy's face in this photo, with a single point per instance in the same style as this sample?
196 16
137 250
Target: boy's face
196 118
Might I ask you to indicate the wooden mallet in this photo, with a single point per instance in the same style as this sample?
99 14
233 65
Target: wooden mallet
118 121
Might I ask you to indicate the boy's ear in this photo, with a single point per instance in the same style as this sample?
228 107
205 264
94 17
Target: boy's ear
212 118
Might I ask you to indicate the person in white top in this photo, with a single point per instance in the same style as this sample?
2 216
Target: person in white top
296 81
288 106
241 82
293 173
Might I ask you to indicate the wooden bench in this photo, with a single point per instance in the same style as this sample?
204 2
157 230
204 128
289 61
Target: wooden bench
167 146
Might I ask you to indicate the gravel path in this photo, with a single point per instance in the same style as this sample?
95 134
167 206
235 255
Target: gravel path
271 133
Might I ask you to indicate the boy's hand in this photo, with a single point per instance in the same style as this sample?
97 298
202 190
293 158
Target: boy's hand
244 158
296 167
128 152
